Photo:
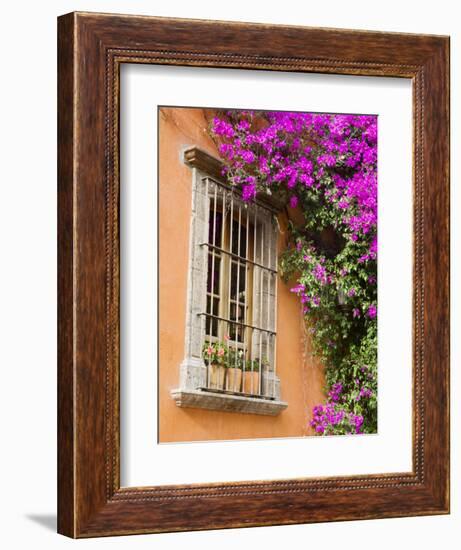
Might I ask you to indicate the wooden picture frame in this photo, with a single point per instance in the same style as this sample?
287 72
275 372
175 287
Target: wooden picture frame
91 48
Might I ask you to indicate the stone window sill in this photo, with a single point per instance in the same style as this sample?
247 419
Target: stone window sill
228 402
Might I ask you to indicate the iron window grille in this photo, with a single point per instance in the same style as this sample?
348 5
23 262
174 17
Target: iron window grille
241 288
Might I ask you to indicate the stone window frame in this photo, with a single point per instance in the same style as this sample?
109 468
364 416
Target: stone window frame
193 371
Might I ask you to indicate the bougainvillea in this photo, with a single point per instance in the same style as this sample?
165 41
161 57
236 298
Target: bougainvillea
325 166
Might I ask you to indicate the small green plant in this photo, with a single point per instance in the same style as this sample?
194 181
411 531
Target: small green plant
235 359
255 364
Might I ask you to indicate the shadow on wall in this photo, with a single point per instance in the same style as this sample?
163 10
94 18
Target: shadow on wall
47 521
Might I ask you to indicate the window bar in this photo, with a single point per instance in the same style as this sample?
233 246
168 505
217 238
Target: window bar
245 314
269 308
211 320
240 323
253 335
213 252
261 282
221 271
237 292
274 275
205 270
229 315
236 256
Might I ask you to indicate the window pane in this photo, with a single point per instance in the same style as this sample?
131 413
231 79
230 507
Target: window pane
216 275
233 281
242 284
217 227
235 239
241 281
237 313
212 324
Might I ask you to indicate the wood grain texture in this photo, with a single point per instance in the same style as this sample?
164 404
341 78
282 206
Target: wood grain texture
91 49
66 419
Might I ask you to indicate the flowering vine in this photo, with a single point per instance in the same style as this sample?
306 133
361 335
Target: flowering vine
325 165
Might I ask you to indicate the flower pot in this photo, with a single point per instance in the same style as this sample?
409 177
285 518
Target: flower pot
233 379
251 382
216 374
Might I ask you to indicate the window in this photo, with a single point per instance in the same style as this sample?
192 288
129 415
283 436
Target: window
241 288
232 299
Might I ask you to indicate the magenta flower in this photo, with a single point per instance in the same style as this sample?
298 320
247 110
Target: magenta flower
293 201
372 312
297 288
247 156
222 128
320 274
249 192
226 150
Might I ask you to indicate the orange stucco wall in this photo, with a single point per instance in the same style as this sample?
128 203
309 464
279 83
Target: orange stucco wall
301 375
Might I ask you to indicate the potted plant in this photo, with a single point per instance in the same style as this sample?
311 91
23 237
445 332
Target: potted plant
234 366
214 355
251 375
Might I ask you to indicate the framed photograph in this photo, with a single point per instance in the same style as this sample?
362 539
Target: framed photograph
253 258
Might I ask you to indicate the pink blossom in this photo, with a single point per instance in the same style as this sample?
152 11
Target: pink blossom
293 201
